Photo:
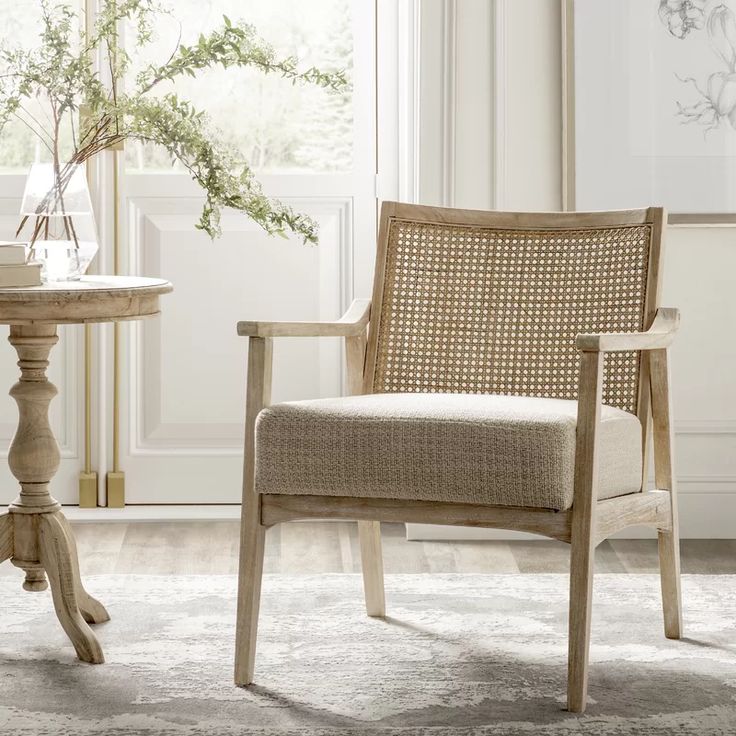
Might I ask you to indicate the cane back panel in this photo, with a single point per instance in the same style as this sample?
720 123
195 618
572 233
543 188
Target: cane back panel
476 309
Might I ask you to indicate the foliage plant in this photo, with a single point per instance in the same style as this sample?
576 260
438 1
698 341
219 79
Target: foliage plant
78 75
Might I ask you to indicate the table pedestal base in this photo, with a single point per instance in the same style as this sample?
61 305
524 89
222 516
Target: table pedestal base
53 551
34 534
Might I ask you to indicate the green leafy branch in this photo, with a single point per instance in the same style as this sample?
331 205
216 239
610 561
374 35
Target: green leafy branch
235 45
181 129
61 71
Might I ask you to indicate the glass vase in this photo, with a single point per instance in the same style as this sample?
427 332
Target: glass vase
57 213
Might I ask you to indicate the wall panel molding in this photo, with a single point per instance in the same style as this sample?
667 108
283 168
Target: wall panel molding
456 126
409 100
149 434
449 100
499 104
705 426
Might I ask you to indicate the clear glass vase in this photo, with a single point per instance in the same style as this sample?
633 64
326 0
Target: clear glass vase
57 212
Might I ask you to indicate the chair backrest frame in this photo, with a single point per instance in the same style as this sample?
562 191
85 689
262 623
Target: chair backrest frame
394 214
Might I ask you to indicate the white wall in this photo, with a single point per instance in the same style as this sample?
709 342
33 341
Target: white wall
491 137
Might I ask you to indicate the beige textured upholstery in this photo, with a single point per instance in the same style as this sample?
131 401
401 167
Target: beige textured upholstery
465 448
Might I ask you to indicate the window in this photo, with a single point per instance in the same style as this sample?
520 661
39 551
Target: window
280 128
19 146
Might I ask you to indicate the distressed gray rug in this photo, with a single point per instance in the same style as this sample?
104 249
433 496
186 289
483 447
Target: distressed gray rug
459 655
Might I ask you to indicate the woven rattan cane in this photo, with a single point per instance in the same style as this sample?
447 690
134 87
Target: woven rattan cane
474 309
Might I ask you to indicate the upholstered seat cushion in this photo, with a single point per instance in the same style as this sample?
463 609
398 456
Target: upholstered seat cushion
500 450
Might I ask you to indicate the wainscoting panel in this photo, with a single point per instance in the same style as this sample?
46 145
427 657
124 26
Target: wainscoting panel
185 370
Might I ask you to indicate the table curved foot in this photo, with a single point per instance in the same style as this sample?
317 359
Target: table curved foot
61 567
91 609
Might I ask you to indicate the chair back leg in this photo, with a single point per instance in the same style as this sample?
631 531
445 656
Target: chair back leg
372 562
669 571
668 539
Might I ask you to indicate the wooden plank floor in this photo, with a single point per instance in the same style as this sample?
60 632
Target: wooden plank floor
175 548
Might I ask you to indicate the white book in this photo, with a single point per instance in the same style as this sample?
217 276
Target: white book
12 254
26 274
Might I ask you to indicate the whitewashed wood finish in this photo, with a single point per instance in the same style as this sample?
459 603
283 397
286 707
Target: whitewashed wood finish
660 334
93 612
369 532
252 531
582 541
258 395
371 559
278 508
651 508
668 538
55 556
589 521
6 537
646 509
34 534
91 299
352 324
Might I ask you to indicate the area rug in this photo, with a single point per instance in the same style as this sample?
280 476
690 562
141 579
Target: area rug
458 655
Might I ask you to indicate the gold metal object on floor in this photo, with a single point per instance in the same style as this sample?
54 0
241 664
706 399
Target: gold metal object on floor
87 490
115 490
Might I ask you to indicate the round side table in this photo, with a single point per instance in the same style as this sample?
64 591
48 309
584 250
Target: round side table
34 534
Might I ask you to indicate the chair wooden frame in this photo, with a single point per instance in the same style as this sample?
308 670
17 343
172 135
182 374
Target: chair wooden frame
585 525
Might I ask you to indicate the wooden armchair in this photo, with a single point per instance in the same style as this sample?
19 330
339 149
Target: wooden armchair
485 403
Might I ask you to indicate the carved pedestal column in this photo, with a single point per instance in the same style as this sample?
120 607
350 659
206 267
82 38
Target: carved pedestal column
34 533
41 537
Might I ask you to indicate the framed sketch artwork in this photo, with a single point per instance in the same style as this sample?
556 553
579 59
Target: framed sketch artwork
650 106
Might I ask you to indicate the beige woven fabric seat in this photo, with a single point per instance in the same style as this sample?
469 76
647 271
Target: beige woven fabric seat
483 449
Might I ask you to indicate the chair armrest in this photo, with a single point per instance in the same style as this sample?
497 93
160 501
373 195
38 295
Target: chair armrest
659 335
351 324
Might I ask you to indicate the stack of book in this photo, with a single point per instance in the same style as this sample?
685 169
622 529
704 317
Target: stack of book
14 271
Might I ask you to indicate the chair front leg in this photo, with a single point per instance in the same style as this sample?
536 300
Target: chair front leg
583 528
252 532
668 539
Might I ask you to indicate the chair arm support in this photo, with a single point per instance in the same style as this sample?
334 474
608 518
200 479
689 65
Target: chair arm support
352 323
659 335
